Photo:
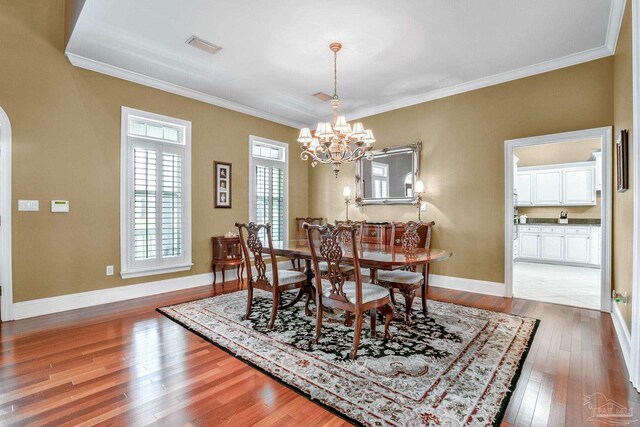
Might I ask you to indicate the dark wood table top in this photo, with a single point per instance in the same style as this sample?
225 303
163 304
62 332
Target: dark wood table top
369 255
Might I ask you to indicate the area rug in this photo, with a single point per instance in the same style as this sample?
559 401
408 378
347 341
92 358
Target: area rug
457 366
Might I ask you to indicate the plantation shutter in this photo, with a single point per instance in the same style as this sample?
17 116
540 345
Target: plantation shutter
269 200
268 189
157 198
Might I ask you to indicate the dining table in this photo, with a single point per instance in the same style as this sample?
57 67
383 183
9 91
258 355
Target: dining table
373 256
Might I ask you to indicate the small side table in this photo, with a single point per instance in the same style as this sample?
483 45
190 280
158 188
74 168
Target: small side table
227 251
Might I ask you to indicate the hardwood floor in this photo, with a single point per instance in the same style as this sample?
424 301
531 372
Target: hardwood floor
126 364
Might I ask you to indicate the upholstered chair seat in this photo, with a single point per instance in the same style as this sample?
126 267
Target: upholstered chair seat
285 277
370 292
400 276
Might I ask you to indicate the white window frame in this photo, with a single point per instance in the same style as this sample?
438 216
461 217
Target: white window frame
252 178
380 178
127 265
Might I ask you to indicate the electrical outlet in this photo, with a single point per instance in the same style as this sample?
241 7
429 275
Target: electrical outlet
109 270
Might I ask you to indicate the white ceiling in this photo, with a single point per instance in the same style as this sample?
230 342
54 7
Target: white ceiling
396 53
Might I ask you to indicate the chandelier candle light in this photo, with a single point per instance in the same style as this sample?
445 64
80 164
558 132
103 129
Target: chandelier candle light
335 143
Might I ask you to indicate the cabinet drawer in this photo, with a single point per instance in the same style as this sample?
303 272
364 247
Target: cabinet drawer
529 229
553 230
584 231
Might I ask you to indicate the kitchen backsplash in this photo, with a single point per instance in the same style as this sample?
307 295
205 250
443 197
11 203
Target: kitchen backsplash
554 211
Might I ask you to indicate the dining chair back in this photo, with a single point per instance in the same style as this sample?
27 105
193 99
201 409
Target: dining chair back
329 244
413 235
274 281
301 234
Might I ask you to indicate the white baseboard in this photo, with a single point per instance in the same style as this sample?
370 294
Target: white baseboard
468 285
39 307
622 332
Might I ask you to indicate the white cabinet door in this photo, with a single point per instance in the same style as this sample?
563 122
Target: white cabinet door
524 188
552 247
577 249
548 188
529 245
579 186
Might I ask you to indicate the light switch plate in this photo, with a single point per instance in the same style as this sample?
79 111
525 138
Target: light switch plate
28 205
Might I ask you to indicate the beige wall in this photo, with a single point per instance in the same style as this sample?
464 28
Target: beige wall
563 152
66 145
623 202
463 152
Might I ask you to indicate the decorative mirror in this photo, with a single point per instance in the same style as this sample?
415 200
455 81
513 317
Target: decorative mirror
388 176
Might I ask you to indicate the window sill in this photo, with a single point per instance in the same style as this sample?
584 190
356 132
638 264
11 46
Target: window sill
155 270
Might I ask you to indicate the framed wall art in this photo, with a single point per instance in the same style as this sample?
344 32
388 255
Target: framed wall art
622 161
221 185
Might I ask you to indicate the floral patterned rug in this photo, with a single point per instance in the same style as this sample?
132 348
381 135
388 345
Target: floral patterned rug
457 366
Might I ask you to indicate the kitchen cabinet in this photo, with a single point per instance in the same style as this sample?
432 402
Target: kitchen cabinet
570 184
529 245
577 248
524 189
579 186
552 247
559 244
548 188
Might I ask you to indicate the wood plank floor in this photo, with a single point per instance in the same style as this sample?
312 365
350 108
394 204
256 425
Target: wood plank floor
126 364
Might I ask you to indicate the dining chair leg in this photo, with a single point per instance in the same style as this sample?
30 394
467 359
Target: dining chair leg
423 291
274 309
387 311
392 296
318 322
249 300
356 334
408 295
372 314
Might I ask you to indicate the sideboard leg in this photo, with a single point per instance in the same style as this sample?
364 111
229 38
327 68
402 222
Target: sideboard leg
214 275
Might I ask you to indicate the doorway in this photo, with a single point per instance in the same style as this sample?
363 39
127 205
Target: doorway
558 218
6 297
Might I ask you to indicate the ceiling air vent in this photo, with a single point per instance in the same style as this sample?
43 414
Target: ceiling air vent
322 96
198 43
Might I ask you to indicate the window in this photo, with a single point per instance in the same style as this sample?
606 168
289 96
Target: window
380 177
155 194
268 186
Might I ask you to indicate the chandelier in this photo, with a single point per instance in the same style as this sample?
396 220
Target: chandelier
335 143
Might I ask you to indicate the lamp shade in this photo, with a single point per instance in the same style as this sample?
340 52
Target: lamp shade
346 192
358 131
419 186
305 136
341 125
314 143
368 138
325 130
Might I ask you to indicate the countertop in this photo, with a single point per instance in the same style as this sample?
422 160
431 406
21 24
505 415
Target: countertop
554 221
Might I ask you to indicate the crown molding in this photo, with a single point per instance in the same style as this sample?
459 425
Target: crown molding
132 76
542 67
616 13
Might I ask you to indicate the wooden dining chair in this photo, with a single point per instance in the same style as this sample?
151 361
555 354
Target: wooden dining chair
408 281
346 269
275 281
301 234
334 291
